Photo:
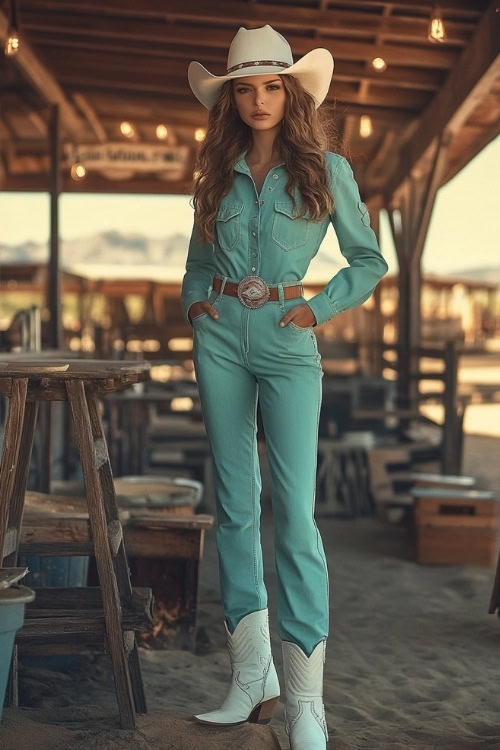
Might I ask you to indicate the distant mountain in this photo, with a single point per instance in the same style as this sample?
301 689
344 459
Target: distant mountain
106 248
481 273
115 254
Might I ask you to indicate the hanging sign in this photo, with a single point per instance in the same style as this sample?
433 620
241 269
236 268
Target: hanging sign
172 161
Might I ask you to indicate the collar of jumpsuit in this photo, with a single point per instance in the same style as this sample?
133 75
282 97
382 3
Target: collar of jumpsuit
257 234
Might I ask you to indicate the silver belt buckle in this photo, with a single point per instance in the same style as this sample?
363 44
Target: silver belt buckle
253 291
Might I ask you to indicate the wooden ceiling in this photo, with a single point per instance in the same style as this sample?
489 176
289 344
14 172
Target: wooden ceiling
104 61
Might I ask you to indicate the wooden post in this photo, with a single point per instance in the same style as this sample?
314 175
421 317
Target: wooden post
451 454
415 201
54 286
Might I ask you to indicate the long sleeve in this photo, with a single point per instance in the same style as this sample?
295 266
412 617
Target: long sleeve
352 285
200 268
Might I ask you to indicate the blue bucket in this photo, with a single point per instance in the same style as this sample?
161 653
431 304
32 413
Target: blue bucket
12 603
56 571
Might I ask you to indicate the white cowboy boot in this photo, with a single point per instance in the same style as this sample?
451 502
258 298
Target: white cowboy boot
305 721
254 690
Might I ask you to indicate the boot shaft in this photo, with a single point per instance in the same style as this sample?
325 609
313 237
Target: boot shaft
303 674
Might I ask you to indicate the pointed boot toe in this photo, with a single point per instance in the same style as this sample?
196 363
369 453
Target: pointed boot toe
254 691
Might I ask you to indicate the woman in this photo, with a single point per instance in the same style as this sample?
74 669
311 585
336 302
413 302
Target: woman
264 194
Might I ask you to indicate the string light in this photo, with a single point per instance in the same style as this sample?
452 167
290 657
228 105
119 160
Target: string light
127 129
161 132
436 31
78 171
12 40
379 64
199 134
365 126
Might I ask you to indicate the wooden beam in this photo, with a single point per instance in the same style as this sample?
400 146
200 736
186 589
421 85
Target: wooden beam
84 105
80 70
468 83
482 136
152 54
54 278
43 81
423 208
183 111
96 184
235 11
178 36
3 173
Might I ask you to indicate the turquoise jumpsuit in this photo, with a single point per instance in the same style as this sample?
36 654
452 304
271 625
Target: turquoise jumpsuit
245 356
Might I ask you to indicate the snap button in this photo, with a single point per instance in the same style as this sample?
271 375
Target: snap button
253 234
253 268
276 176
270 188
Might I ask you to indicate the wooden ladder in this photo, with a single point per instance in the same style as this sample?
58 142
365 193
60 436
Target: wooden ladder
118 608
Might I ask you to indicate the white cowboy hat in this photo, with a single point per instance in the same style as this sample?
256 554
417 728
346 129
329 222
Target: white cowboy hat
255 52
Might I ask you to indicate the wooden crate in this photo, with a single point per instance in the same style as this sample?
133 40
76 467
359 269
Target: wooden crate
456 527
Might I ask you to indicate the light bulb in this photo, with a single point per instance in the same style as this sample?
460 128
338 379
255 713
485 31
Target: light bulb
436 31
78 171
365 126
12 43
199 134
161 132
379 63
127 129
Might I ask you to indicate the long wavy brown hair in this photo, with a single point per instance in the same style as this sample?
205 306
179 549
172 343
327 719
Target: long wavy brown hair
305 133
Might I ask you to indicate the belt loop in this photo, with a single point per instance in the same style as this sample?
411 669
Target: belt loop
281 296
223 284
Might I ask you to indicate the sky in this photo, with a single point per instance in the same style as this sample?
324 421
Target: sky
463 232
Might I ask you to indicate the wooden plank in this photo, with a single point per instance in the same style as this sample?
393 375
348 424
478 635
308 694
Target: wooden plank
165 543
495 593
188 35
120 563
322 20
111 597
427 520
11 452
44 82
60 601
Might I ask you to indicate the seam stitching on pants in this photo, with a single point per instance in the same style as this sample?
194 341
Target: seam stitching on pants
314 496
254 503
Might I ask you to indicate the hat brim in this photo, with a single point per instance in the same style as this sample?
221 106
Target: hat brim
314 70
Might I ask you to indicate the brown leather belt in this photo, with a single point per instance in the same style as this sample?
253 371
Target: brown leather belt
252 291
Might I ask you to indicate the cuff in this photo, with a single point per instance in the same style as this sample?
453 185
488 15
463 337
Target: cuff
323 308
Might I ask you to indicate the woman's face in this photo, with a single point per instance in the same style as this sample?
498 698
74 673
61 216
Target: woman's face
264 93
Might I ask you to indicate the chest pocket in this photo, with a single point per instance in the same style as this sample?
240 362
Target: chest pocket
288 232
228 225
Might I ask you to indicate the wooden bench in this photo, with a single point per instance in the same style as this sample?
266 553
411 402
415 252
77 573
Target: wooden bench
164 549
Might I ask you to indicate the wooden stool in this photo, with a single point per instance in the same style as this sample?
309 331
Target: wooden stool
80 383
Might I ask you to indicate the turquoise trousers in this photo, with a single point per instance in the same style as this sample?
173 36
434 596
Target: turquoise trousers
243 357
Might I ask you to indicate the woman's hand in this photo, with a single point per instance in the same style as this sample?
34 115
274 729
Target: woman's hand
302 316
197 308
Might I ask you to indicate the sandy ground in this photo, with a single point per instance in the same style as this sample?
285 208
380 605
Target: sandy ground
412 658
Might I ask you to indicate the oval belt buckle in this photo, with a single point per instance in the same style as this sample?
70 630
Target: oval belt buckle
253 291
